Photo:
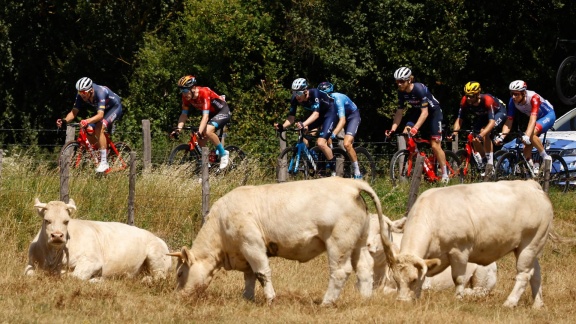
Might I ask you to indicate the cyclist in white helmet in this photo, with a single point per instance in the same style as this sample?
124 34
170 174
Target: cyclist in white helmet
108 109
541 114
323 115
424 114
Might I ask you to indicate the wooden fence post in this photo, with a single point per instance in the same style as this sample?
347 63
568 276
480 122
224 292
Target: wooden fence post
64 178
282 164
415 183
546 185
401 146
131 188
1 158
339 166
70 134
147 144
455 143
205 184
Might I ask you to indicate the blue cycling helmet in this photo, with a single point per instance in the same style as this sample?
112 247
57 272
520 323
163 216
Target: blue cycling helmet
326 87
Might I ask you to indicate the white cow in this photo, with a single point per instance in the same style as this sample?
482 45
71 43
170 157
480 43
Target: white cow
93 250
480 223
481 279
294 220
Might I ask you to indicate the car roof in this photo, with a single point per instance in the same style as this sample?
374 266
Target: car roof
564 119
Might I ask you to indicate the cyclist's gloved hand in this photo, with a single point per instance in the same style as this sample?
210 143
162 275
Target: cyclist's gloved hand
388 132
499 139
479 137
83 123
60 122
333 136
175 133
413 130
526 139
300 125
280 127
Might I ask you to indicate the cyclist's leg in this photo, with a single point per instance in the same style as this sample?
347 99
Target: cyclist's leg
328 122
352 123
433 132
215 123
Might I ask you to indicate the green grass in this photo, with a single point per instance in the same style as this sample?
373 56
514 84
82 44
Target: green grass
168 203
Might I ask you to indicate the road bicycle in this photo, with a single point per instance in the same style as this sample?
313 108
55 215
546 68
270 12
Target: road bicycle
366 162
188 156
302 162
566 77
81 154
470 170
403 162
513 165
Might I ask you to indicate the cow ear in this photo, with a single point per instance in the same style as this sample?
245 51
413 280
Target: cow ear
71 205
432 263
40 206
398 225
188 257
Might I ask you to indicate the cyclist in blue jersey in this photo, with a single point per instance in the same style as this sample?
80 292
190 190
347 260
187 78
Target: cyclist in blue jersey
424 114
323 115
541 114
489 112
108 109
349 116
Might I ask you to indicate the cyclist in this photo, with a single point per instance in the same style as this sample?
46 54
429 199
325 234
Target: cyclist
425 114
349 115
490 114
108 109
323 115
215 114
541 113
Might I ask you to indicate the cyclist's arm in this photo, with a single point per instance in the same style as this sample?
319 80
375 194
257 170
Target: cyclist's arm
457 125
531 125
507 125
422 118
397 119
311 119
535 103
71 115
489 127
96 118
203 122
183 117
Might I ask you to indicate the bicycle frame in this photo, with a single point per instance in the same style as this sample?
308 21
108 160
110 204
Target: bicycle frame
301 148
411 146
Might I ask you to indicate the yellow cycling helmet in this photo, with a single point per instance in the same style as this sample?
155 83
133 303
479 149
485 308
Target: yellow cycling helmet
187 81
472 88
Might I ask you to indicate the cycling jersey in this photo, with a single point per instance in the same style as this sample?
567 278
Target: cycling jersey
324 105
418 99
345 107
104 100
489 108
533 105
208 101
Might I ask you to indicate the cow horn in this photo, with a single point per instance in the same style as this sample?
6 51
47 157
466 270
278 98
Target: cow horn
423 268
175 254
71 205
39 205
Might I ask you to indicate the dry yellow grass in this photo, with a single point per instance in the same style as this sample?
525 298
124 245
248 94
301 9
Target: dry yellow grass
168 204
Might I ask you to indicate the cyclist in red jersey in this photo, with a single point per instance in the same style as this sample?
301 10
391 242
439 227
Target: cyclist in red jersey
215 114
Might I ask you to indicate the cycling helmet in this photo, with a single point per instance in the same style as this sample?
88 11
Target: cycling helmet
517 85
187 81
299 84
472 88
403 73
326 87
84 84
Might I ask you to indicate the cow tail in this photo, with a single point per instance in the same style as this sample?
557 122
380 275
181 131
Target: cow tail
386 236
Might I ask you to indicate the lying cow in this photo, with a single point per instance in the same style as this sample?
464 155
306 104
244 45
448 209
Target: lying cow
295 220
93 250
477 223
480 279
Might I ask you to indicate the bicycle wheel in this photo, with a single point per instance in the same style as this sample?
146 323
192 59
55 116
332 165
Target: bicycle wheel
122 160
468 170
566 81
365 163
297 166
507 167
453 166
559 177
76 156
401 167
188 161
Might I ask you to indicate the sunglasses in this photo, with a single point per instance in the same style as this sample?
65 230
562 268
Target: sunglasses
471 97
298 93
401 81
184 90
515 94
83 92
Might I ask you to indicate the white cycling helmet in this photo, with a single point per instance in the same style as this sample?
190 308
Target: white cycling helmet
299 84
403 73
84 84
517 85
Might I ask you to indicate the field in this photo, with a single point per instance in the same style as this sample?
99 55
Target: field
169 204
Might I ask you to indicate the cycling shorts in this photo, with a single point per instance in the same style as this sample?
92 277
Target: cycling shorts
352 123
546 122
327 124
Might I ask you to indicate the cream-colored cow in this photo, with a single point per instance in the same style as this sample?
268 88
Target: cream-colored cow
92 250
294 220
479 280
477 223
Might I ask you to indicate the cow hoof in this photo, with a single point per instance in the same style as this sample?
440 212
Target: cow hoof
509 304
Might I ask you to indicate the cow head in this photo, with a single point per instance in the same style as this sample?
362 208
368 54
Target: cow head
56 216
409 272
192 276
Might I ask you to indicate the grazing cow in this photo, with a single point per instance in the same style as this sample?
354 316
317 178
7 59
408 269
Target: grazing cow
477 223
294 220
93 250
481 279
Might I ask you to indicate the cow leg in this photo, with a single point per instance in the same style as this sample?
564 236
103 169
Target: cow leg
87 270
536 285
340 264
255 253
363 265
249 284
524 272
458 262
